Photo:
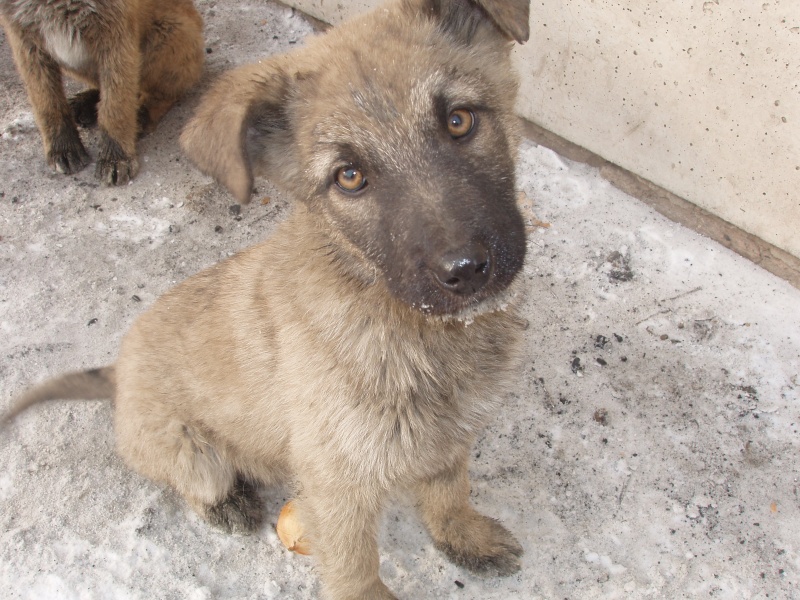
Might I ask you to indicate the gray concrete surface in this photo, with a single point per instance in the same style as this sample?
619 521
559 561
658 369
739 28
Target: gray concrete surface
650 449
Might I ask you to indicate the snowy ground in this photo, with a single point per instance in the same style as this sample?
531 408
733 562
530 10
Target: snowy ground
650 449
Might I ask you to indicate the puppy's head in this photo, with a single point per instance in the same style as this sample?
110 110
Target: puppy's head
398 130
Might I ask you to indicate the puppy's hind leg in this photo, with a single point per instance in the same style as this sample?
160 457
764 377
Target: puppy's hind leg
63 148
84 107
187 459
240 512
466 537
172 59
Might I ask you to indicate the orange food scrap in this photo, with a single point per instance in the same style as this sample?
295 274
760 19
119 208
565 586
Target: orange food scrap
291 531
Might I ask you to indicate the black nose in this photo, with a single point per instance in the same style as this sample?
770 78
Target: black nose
464 271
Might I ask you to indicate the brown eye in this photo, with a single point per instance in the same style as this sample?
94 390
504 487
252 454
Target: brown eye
350 179
460 123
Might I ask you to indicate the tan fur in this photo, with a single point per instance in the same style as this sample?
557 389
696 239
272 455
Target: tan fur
335 355
137 57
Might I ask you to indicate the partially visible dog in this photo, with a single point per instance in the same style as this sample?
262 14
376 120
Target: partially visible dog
137 56
359 350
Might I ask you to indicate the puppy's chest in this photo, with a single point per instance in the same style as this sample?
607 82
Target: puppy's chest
402 437
63 26
407 404
68 49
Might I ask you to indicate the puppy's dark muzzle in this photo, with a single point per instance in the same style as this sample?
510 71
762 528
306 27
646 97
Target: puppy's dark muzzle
465 271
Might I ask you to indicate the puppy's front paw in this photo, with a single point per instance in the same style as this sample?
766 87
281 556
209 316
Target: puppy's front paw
379 592
114 165
67 154
481 545
344 590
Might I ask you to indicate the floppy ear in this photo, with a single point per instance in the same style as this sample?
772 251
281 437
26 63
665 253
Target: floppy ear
510 16
465 17
248 102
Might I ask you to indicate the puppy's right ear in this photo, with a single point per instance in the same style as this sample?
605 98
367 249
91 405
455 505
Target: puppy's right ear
216 137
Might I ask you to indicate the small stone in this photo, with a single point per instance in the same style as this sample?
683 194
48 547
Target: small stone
576 366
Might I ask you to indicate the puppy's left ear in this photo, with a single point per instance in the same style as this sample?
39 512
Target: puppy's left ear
466 18
248 102
510 16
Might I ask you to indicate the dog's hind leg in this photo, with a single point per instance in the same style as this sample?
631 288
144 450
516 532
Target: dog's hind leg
41 74
172 59
186 458
466 537
240 512
84 107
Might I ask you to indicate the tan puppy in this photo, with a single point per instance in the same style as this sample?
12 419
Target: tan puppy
360 350
137 56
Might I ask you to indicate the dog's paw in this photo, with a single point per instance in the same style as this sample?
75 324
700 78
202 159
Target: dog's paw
348 590
483 546
143 122
114 166
83 106
67 154
241 512
68 161
382 594
379 591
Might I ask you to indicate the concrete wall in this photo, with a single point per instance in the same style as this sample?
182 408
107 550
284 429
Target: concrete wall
701 98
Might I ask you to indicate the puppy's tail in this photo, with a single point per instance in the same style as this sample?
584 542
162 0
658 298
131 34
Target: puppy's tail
93 384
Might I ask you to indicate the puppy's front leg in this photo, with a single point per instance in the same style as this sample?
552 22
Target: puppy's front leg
342 523
119 74
42 76
466 537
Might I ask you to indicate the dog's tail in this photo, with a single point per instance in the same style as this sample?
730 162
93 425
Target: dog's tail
93 384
